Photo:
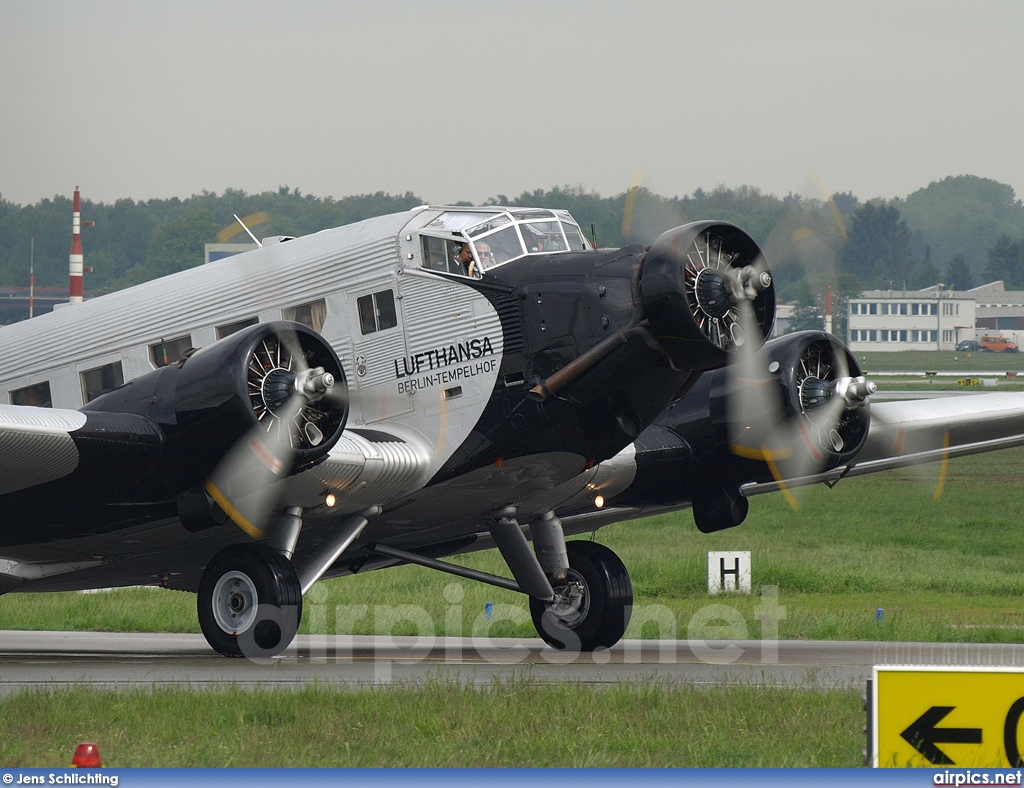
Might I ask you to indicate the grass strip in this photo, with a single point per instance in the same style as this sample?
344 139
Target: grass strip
439 725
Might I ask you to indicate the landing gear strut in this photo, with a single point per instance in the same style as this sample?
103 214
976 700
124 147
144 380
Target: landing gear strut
592 605
250 601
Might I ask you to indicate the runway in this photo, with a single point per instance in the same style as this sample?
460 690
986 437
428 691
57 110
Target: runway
127 661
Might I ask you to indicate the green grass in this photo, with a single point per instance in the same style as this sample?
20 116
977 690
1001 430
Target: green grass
946 384
439 725
947 571
948 360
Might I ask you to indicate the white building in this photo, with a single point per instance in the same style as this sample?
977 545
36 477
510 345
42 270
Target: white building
929 319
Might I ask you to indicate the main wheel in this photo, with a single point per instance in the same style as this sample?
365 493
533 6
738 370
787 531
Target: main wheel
592 609
250 601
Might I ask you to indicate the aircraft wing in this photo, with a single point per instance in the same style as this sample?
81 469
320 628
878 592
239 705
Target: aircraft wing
36 445
43 445
914 432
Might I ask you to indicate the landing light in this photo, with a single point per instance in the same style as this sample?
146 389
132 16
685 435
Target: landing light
599 501
329 499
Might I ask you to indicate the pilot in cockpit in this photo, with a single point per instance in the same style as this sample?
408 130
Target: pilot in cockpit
464 258
483 251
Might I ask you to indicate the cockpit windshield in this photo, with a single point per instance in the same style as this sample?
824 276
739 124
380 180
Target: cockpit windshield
469 242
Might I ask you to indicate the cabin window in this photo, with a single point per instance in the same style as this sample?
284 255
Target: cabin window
312 314
101 380
377 311
231 328
169 351
37 395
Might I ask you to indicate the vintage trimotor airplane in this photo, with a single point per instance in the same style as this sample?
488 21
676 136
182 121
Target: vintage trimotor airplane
419 385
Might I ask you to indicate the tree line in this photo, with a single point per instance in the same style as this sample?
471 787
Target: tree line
961 231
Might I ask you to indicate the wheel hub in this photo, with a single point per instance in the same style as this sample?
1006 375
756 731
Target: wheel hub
571 602
235 601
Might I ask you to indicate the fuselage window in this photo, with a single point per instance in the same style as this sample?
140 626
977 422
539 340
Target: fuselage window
377 311
231 328
37 395
312 314
101 380
168 351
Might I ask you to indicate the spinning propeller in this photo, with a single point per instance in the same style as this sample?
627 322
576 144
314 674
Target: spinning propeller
797 422
296 408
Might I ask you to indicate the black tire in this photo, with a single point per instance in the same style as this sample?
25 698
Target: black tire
600 616
250 601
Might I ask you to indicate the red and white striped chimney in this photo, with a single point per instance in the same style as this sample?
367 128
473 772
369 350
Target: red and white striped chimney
75 292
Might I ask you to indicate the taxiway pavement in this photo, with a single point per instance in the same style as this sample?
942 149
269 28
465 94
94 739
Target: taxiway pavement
123 661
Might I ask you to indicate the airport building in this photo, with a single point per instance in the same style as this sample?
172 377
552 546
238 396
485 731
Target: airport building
929 319
1000 310
933 318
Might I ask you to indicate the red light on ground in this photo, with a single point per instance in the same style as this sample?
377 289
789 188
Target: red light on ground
87 756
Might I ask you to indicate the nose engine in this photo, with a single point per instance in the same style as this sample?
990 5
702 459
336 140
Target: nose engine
706 293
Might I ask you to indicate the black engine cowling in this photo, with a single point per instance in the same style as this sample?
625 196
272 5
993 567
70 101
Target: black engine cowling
686 456
206 403
686 298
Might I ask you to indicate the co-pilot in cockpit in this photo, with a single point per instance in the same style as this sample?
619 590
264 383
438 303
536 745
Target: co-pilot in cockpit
469 242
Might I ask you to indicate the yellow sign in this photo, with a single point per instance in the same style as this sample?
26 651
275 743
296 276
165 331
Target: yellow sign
947 717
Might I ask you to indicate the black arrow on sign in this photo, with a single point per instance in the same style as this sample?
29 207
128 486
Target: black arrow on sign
922 735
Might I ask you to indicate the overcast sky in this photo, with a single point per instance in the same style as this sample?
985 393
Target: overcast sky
462 100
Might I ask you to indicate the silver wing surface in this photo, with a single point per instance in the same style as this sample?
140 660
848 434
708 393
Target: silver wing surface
915 432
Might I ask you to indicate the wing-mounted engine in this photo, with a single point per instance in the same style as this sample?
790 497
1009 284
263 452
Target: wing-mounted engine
281 379
273 376
796 408
824 405
697 282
